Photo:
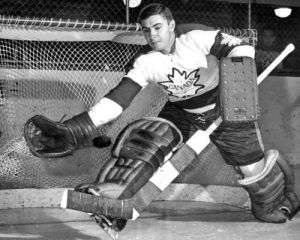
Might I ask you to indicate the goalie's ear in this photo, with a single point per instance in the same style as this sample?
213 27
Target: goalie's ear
172 25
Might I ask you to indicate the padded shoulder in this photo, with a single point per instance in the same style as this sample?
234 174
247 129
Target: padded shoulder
187 27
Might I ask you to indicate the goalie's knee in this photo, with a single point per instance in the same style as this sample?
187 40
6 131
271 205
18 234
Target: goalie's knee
272 194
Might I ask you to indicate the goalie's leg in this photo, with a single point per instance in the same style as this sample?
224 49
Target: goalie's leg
267 177
139 150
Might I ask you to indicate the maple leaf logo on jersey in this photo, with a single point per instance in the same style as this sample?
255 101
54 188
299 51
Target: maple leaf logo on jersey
230 40
181 84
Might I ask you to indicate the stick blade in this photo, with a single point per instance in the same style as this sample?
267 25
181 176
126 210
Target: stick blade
99 205
79 201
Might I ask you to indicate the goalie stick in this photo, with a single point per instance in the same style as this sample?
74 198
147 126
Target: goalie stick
132 207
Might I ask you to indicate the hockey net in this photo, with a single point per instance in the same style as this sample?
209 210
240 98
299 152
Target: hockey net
59 69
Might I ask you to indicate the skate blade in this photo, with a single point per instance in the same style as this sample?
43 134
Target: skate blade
112 233
105 224
109 231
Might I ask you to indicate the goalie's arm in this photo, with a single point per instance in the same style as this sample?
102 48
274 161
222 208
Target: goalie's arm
115 102
226 45
120 97
51 139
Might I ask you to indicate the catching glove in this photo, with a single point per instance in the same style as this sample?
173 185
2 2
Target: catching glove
49 139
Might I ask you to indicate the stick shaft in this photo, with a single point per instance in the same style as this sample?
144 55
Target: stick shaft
288 49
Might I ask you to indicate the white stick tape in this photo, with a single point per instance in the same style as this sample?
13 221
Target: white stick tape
164 175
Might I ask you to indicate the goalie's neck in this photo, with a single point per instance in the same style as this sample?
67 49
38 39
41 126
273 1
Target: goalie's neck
172 45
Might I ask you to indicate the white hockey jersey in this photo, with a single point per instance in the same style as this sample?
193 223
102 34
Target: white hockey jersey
191 69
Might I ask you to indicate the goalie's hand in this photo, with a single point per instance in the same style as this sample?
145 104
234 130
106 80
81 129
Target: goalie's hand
49 139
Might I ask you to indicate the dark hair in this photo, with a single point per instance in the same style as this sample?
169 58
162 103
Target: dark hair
155 9
269 28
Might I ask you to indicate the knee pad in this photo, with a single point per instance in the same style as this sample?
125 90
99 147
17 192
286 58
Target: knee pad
238 90
272 194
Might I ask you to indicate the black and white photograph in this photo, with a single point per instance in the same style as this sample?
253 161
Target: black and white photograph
149 119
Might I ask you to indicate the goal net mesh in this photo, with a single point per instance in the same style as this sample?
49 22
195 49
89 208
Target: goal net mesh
60 71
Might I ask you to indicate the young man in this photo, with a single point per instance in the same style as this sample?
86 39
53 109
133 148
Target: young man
186 66
268 48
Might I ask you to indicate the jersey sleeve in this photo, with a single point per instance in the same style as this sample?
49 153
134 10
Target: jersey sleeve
124 92
136 68
184 28
134 80
221 44
202 40
104 111
226 45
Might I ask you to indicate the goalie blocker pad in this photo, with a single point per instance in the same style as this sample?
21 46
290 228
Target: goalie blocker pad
238 90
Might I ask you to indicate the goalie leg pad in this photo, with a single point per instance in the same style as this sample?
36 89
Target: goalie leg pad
238 90
272 194
138 152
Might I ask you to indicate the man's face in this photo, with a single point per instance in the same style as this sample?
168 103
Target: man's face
158 33
268 37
